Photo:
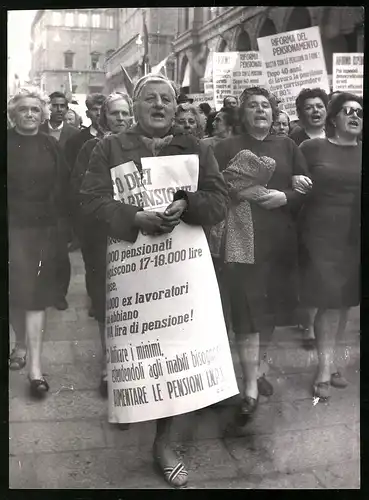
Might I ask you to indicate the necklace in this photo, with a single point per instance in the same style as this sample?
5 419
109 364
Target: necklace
334 140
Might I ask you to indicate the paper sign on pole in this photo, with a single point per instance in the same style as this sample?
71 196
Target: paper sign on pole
209 87
235 71
294 60
348 73
167 344
199 98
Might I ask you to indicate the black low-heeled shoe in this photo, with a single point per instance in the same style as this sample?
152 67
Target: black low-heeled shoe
265 388
38 387
17 362
246 410
248 406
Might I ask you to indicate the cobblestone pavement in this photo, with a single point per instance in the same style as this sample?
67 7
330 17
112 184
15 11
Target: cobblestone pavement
65 441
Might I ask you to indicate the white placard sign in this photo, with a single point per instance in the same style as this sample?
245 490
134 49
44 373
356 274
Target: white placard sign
294 60
199 98
235 71
348 72
167 344
209 87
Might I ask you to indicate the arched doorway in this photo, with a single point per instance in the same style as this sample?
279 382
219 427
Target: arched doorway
340 43
268 28
340 27
299 19
222 45
243 42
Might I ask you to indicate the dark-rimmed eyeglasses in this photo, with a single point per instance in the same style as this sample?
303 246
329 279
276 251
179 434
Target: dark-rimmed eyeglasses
349 111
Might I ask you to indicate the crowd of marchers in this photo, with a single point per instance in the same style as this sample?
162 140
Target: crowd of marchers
279 201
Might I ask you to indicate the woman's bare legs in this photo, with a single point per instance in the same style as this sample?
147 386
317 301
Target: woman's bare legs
309 326
339 359
18 321
248 351
103 347
164 454
35 326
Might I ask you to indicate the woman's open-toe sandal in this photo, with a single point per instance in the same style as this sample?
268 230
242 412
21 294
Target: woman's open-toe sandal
176 476
321 390
17 362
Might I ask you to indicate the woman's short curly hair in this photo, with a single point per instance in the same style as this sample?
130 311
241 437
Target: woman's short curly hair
335 106
33 92
310 94
103 124
187 107
250 91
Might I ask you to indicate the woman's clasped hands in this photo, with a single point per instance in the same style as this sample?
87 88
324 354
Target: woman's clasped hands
157 223
301 183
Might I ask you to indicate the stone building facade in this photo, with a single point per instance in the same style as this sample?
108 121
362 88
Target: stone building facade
70 46
162 28
203 30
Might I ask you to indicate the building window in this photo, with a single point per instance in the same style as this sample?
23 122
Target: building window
96 20
187 19
82 20
95 56
68 59
69 19
56 19
110 22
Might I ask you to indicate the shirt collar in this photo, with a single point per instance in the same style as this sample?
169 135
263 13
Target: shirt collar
57 128
138 130
93 131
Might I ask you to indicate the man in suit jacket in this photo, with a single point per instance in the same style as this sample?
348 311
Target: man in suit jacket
72 148
56 126
61 131
74 144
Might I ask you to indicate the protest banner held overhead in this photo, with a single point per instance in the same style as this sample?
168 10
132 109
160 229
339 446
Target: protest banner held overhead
294 60
234 71
348 72
167 344
199 98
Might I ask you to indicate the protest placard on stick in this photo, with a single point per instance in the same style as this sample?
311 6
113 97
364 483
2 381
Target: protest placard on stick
199 98
234 71
348 72
294 60
167 345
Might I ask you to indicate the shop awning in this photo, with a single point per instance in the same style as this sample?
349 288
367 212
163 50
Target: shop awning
186 78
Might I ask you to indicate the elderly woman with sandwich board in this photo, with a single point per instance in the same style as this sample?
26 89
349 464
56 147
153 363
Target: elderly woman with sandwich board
154 101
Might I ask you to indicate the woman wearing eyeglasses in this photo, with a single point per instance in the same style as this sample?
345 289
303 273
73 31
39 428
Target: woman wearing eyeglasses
330 232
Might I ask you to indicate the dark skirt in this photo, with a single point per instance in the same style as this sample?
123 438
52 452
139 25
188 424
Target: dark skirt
328 282
329 258
248 291
32 259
